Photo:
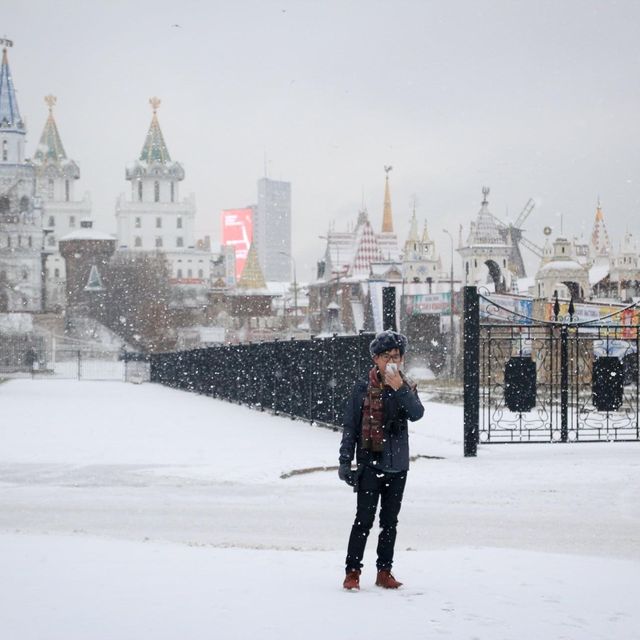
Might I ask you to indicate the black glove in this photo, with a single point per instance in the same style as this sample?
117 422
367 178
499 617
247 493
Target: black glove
345 473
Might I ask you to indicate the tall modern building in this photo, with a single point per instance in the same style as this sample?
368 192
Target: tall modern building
20 212
272 229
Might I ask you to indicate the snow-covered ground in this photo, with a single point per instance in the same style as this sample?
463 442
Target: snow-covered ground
136 511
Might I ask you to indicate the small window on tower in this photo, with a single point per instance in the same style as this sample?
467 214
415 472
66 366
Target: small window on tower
156 191
139 190
56 272
67 190
179 222
5 150
158 223
173 192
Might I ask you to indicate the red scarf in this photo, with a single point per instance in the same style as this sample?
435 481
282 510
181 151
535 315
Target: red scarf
373 414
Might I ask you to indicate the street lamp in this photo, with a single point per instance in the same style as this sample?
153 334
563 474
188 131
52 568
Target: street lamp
295 283
451 337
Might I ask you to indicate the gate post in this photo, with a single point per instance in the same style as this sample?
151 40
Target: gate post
471 390
564 383
389 308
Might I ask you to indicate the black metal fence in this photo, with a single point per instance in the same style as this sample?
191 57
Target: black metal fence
529 380
307 379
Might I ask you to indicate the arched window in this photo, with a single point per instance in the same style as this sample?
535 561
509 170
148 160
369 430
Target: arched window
156 191
25 274
137 242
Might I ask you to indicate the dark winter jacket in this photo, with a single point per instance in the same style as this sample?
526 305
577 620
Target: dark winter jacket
399 406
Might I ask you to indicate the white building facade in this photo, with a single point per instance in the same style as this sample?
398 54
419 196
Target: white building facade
20 210
62 210
153 218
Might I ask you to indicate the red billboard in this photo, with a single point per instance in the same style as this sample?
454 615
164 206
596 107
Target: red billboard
237 231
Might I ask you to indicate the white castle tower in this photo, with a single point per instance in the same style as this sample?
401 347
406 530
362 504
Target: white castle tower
20 213
154 218
486 257
62 212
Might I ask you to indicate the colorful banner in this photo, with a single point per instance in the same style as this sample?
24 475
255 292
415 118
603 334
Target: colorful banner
430 303
511 309
237 231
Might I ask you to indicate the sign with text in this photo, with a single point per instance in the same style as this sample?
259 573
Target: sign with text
429 303
237 232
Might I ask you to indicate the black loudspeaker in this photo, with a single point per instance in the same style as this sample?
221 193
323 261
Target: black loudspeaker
520 384
607 383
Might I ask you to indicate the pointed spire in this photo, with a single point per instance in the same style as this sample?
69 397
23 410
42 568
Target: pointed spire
155 149
413 228
50 146
600 244
94 281
387 216
252 276
9 113
425 233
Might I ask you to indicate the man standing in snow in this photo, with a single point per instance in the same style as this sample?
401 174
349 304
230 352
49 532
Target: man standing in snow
375 429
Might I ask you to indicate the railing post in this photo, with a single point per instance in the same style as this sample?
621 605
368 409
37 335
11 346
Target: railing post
471 391
564 383
389 308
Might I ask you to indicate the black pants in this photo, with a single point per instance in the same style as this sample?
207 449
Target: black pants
389 487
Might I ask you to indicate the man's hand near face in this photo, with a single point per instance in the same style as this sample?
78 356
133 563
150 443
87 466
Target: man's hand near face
393 378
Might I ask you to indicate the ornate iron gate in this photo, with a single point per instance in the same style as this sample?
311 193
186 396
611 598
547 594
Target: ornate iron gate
529 380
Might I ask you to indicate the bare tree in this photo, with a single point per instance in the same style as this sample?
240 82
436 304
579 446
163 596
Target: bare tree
136 302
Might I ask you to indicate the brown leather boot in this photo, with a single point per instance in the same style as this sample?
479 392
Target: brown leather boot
386 580
352 579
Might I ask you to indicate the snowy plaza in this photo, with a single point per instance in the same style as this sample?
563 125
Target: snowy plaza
138 511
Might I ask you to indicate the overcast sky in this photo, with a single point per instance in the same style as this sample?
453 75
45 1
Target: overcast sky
534 99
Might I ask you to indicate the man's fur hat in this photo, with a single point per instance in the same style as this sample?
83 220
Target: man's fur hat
387 340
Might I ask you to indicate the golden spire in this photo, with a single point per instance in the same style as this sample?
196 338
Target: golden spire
387 215
252 276
599 215
155 103
50 101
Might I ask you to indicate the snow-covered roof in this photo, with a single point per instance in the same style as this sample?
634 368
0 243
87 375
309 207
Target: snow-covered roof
598 272
561 265
88 233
